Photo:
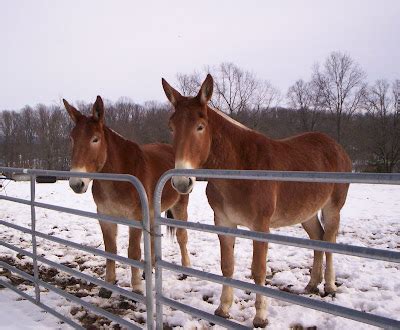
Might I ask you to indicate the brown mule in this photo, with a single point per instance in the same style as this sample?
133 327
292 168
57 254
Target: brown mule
97 148
206 138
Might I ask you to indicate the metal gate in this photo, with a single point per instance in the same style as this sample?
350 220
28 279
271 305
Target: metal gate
378 254
146 265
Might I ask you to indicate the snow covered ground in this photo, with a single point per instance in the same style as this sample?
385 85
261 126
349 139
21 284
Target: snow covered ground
371 218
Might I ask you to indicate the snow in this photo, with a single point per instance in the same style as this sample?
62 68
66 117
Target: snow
371 217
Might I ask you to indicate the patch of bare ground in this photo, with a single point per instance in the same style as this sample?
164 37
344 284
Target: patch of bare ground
117 304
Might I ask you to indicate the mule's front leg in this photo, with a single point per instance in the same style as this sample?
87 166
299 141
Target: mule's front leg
259 271
179 211
135 253
109 231
227 245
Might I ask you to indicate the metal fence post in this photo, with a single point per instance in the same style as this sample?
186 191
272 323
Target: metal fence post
158 254
148 267
34 247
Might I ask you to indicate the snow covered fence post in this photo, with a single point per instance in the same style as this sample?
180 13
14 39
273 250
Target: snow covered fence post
34 247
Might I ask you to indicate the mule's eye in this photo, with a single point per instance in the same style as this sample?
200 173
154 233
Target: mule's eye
95 139
200 127
171 129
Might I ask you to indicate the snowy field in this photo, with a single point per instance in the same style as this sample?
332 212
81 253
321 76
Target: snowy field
371 218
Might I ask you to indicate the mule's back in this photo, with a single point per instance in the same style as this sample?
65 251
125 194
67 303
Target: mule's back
311 151
296 202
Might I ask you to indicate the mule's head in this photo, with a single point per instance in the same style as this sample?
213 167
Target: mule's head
89 148
191 131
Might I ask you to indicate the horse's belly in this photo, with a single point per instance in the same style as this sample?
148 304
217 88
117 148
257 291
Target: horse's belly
280 220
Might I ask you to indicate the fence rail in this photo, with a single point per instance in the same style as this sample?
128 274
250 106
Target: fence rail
143 224
315 177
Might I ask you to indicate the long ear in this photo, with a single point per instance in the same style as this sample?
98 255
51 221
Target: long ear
172 94
206 90
98 109
73 113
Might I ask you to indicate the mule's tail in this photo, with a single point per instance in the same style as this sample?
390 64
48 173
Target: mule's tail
171 231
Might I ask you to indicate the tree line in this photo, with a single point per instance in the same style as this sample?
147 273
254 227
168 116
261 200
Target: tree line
335 99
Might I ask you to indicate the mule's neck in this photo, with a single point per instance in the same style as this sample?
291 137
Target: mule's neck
123 156
231 143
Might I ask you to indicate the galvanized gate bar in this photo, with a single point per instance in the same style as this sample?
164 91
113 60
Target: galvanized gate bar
201 314
353 250
16 200
68 296
108 218
21 273
91 307
322 306
112 256
297 176
34 249
145 225
73 272
41 305
313 177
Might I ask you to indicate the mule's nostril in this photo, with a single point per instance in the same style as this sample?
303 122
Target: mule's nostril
82 184
190 182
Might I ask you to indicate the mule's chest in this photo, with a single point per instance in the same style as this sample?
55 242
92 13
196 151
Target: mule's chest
232 202
114 201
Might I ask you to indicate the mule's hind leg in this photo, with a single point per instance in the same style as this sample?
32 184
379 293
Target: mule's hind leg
179 211
227 246
315 231
109 231
331 220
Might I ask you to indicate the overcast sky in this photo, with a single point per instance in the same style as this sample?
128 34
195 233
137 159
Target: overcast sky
78 49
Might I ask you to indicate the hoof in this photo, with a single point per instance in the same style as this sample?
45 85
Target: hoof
313 289
138 288
328 294
105 293
330 290
219 312
259 322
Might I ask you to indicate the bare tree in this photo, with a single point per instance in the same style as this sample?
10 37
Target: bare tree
305 97
235 90
8 127
189 84
342 86
385 143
